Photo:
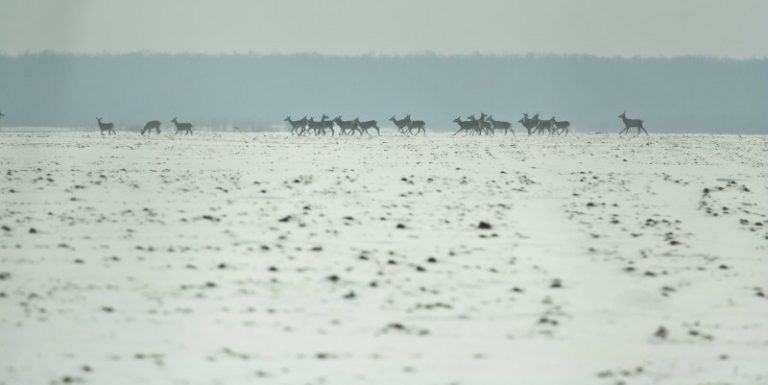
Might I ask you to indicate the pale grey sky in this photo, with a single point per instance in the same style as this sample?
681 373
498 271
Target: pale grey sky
731 28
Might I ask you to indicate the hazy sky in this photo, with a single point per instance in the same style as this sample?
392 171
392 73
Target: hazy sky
732 28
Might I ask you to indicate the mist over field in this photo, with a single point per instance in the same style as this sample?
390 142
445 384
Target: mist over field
255 92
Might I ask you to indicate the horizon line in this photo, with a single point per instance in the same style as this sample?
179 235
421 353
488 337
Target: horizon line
379 55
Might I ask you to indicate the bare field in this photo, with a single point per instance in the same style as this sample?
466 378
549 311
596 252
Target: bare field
265 258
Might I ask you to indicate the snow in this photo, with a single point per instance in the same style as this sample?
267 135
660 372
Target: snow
236 258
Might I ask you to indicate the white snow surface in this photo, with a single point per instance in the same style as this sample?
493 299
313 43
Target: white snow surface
236 258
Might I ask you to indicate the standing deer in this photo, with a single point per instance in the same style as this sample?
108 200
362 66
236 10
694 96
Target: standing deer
630 123
500 124
108 127
182 127
528 123
152 124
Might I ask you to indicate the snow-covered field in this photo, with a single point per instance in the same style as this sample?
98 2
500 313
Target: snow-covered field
270 259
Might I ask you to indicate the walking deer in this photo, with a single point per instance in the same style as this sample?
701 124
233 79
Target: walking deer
297 126
364 126
561 126
402 123
500 124
419 125
466 125
346 127
631 123
319 127
182 127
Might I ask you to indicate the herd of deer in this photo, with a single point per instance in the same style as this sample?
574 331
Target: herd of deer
406 126
486 124
305 126
151 125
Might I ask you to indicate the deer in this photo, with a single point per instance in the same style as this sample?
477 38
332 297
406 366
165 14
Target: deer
528 123
630 123
500 124
320 126
182 127
297 126
542 125
327 124
419 125
312 125
402 123
561 126
466 125
364 126
108 127
152 124
482 125
345 125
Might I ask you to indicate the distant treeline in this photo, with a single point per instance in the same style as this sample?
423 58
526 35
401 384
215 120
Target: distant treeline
251 92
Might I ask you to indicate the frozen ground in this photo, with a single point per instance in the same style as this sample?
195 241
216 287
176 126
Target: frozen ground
271 259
